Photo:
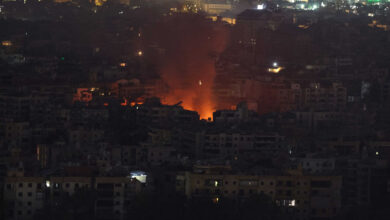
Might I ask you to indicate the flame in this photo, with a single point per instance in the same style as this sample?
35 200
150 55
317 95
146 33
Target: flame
134 103
124 103
201 102
195 95
188 64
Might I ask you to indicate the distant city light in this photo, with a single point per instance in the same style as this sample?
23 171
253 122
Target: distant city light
275 70
140 53
286 202
138 175
303 26
261 7
47 183
275 64
200 82
123 64
370 14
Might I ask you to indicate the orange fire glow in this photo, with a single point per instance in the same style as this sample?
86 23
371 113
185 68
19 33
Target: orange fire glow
132 104
201 102
195 94
187 67
124 103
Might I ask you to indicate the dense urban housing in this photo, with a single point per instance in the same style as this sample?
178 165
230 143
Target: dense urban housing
194 109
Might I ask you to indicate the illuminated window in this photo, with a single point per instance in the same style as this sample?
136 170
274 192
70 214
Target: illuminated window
286 202
249 183
211 182
6 43
261 7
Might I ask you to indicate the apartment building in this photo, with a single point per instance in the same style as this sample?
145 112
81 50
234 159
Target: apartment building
235 143
23 196
325 96
26 196
308 196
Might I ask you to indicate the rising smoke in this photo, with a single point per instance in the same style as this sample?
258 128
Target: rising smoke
191 45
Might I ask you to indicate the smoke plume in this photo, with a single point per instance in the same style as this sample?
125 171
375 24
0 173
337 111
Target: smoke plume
191 45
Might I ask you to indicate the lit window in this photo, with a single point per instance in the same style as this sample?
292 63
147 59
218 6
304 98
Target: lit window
6 43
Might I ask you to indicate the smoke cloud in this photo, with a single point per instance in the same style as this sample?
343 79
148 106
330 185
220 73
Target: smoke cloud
191 45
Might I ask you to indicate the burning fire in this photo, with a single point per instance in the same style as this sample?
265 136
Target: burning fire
194 99
187 66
